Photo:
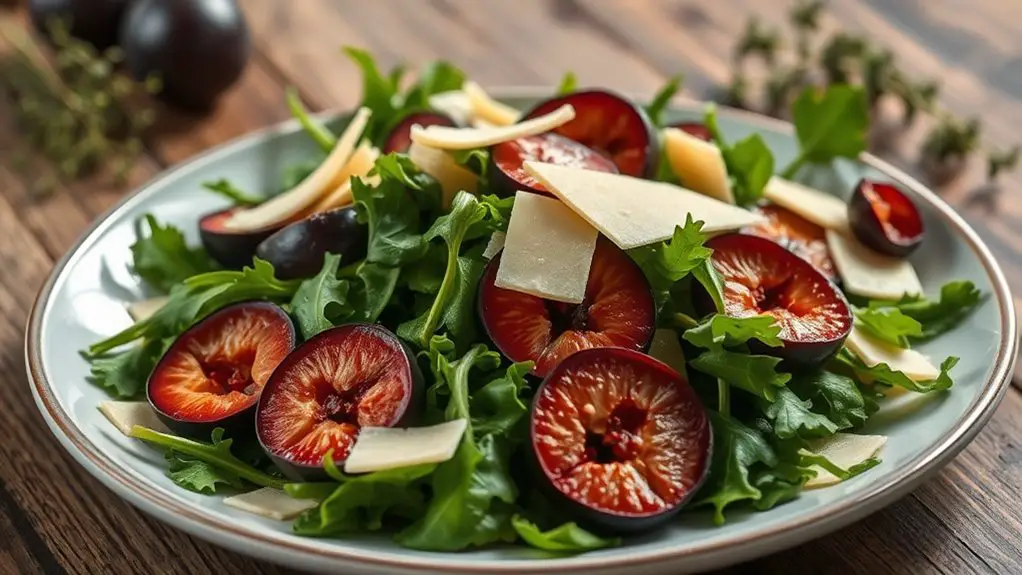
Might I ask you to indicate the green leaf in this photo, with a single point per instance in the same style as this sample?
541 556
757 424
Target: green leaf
779 484
477 161
883 374
736 448
394 236
226 189
438 76
888 324
497 406
662 99
833 395
162 258
830 124
711 282
665 263
750 164
724 331
379 94
422 187
792 417
569 83
566 538
319 133
369 296
315 295
124 375
809 458
221 466
957 300
756 374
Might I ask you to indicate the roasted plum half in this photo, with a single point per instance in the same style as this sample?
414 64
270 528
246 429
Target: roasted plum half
400 137
610 124
333 385
213 374
695 129
507 174
231 249
619 441
885 219
297 250
762 277
618 310
806 239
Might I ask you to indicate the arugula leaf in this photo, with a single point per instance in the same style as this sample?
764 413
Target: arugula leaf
888 324
667 262
711 282
477 161
750 164
722 331
834 395
228 190
655 109
736 449
221 466
883 374
124 375
779 484
756 374
379 93
569 83
162 258
497 406
319 133
498 211
830 124
957 300
400 168
394 237
369 296
808 459
437 77
566 538
321 299
792 417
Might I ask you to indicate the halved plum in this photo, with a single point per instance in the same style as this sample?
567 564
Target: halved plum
611 125
619 440
696 129
323 393
804 238
618 310
885 219
231 249
297 250
400 137
507 175
213 374
762 277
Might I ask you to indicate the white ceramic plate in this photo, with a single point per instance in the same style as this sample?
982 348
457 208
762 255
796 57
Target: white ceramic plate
84 298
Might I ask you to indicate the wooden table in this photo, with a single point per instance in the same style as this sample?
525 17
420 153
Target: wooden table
54 517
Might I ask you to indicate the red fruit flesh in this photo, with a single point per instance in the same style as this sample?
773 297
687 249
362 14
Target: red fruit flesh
621 439
696 129
610 125
885 219
231 249
507 161
761 277
338 382
806 239
217 369
618 310
400 137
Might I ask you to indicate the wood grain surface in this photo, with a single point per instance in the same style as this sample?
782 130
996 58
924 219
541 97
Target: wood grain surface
54 518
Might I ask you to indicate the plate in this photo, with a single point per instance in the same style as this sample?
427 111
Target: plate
83 301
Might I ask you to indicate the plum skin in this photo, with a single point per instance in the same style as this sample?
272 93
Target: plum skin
297 250
600 522
870 230
239 424
230 249
411 415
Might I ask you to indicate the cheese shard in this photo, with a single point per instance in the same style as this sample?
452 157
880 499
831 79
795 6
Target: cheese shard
872 351
868 273
667 348
486 108
817 206
845 450
454 103
141 310
495 244
361 162
328 176
380 448
548 250
439 164
448 138
126 414
699 164
270 503
633 212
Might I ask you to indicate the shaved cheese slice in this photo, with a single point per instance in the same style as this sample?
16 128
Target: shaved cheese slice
379 448
126 414
141 310
439 164
448 138
633 212
873 351
270 503
361 162
486 108
814 205
699 164
667 348
845 450
454 103
495 244
327 177
481 123
869 274
548 250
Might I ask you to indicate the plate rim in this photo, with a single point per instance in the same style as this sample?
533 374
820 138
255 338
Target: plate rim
278 546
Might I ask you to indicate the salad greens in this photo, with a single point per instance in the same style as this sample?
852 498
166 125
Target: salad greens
420 276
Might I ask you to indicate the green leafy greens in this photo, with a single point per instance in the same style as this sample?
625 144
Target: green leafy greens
162 257
830 124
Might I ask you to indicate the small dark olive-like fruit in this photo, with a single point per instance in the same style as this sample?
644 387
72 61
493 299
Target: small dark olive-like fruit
297 251
885 219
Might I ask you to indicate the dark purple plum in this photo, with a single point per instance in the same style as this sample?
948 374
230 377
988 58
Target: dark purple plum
400 139
231 249
885 219
297 250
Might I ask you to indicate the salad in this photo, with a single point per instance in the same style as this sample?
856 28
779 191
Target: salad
466 324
